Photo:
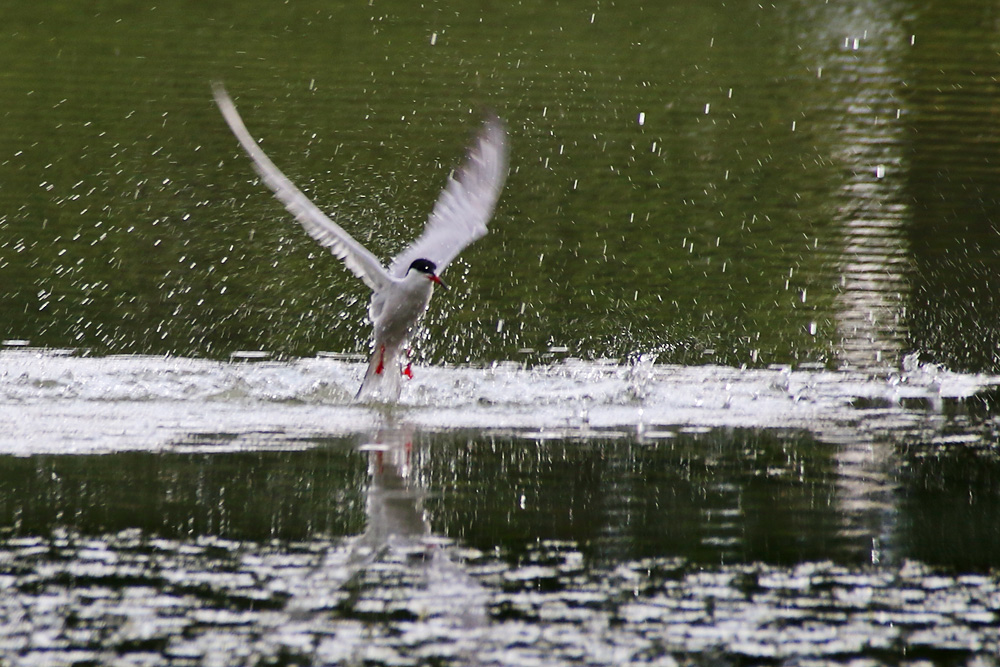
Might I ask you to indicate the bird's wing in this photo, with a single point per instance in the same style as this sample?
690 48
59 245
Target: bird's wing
328 233
465 205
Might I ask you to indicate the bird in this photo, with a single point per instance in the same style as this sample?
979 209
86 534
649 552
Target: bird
401 293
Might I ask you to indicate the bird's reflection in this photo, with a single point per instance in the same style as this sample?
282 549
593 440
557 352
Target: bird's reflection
398 567
395 516
398 529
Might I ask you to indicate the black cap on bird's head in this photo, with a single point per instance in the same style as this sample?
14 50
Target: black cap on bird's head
429 268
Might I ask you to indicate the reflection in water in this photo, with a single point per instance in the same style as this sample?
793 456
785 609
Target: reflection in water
862 75
705 495
725 495
395 516
397 570
398 535
504 548
875 263
867 493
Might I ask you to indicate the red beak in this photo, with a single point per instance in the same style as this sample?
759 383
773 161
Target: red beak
434 279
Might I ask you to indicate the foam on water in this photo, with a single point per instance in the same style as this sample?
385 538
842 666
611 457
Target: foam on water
53 401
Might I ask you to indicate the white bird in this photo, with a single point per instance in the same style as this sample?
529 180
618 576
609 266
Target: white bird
401 293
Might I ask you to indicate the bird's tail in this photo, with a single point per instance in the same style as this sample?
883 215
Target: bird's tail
382 379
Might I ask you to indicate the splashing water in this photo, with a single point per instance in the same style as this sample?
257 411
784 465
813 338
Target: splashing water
61 402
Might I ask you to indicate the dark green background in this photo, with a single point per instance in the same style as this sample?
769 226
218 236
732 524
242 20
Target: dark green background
746 221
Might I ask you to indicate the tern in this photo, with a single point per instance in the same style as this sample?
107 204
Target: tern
401 293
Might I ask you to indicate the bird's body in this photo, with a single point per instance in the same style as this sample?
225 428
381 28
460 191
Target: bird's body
394 314
400 295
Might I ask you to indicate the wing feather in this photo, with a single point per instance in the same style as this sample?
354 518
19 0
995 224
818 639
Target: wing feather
328 233
465 205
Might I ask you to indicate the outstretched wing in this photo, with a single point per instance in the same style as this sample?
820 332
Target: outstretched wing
465 205
328 233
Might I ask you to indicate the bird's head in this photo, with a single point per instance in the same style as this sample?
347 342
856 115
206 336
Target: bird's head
429 269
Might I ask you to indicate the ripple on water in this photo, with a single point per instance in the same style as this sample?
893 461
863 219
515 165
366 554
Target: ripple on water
247 602
490 591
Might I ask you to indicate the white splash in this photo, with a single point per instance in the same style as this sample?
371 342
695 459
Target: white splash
55 402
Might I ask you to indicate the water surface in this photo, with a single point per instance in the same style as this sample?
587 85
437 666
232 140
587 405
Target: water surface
170 511
718 388
709 183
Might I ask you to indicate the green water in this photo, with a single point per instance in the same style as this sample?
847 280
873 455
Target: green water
726 496
711 546
809 182
712 182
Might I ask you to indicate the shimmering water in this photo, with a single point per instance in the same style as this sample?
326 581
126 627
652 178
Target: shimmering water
179 511
719 387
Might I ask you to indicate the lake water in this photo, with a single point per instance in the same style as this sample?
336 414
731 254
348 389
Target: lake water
720 387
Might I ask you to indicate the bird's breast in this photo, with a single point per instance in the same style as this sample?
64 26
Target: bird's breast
401 307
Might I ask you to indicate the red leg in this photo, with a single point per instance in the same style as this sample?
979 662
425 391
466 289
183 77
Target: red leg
381 362
408 371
